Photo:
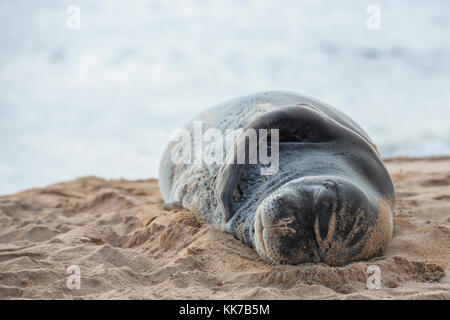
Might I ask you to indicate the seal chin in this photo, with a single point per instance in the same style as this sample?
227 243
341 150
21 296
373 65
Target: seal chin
309 220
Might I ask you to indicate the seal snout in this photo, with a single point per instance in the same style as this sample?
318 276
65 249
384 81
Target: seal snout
284 221
313 220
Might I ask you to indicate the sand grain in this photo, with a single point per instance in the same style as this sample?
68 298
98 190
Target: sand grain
128 246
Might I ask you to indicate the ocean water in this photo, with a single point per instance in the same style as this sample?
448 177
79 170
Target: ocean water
103 99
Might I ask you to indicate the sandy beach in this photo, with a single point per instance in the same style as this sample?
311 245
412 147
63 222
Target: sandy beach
128 246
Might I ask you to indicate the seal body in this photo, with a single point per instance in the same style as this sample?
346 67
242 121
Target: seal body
330 199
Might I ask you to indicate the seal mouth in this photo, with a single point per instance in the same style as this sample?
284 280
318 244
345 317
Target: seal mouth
281 228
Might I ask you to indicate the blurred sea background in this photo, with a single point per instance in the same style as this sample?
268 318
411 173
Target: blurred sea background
104 99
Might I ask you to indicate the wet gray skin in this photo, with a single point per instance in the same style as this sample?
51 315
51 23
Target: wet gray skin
330 201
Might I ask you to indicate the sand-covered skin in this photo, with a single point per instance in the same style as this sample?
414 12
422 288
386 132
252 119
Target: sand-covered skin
128 247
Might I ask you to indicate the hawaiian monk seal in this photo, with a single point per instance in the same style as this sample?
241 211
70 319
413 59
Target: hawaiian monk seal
330 201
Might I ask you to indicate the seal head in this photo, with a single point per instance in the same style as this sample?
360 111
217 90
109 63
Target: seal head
333 207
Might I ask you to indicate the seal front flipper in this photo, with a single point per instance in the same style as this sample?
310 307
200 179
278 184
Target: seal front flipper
226 181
